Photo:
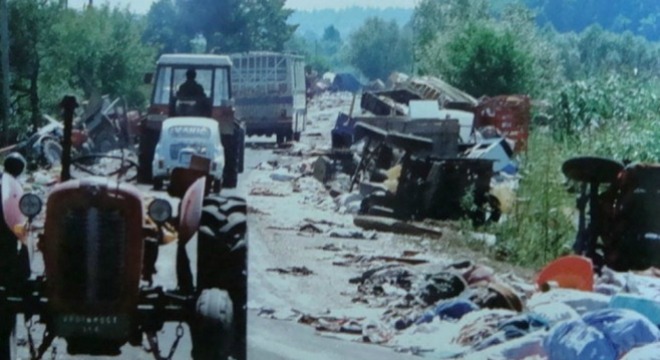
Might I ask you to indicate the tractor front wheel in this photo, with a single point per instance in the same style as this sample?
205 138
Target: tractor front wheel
7 335
222 258
211 330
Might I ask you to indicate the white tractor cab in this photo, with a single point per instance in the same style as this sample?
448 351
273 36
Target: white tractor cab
211 99
189 142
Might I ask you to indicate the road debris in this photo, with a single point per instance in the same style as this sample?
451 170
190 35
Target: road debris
422 300
294 270
379 223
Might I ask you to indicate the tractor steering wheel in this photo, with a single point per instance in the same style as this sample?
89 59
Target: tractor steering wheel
88 165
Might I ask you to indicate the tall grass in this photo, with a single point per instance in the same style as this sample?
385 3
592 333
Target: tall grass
539 226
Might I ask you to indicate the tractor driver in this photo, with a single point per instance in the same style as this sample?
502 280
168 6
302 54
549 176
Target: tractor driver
191 88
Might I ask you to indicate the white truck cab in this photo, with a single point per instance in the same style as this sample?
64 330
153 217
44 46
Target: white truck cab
183 137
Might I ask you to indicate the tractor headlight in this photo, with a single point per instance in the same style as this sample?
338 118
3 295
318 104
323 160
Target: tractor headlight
30 205
160 210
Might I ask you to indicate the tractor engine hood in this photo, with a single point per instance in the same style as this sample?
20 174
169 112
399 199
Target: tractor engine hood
93 250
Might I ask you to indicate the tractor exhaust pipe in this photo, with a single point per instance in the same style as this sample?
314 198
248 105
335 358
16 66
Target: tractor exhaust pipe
69 105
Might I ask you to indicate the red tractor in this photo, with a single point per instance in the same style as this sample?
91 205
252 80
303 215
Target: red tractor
192 85
99 244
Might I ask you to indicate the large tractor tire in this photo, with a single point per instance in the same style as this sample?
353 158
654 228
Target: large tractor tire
212 328
7 337
222 258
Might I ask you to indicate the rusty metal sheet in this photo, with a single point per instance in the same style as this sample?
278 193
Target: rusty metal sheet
510 114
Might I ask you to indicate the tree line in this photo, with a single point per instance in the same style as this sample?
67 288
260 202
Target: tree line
640 17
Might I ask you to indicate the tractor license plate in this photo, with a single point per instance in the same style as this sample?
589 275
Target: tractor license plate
185 158
102 326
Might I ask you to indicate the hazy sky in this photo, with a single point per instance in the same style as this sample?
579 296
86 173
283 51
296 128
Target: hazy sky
142 6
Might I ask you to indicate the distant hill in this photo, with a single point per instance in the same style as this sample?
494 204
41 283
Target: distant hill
345 20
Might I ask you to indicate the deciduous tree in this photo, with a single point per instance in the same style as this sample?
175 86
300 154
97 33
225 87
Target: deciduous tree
379 48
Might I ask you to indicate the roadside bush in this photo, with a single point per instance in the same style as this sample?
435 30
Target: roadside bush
540 224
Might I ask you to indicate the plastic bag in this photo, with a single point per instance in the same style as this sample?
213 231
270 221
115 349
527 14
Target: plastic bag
625 329
576 340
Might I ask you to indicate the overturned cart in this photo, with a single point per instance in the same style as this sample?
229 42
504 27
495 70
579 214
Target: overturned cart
429 185
618 208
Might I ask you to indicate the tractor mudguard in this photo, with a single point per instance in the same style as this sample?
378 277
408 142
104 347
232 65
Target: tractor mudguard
191 210
11 195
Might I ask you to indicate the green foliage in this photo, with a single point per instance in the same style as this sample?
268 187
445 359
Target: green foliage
433 18
57 51
29 54
163 27
314 52
485 52
110 58
540 227
331 34
596 52
331 42
638 16
483 59
227 25
378 48
582 107
613 117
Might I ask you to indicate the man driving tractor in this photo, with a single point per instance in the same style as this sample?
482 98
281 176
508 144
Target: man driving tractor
191 88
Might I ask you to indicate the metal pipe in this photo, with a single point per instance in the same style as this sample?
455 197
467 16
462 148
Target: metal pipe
69 105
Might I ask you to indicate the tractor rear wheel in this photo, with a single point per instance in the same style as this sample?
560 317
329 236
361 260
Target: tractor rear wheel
222 258
217 186
7 335
211 330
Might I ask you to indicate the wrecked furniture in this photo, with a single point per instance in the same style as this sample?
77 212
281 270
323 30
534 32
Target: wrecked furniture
496 149
428 186
342 134
444 134
509 114
380 105
107 124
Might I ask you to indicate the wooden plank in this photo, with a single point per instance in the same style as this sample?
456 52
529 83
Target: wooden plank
379 223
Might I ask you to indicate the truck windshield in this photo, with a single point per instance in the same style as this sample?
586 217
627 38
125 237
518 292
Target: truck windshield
169 79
